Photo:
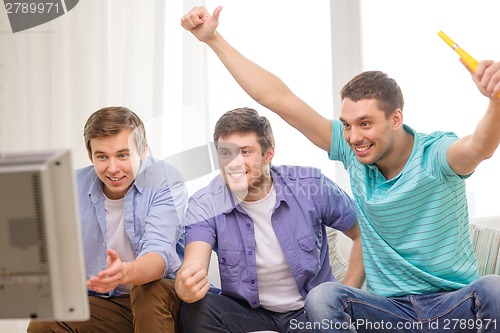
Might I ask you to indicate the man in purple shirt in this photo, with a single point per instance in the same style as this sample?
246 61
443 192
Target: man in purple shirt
267 225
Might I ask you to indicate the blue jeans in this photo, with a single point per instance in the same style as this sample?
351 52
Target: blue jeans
333 307
218 313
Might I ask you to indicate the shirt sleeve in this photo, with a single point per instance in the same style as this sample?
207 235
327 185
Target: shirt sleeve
164 217
338 207
339 149
200 223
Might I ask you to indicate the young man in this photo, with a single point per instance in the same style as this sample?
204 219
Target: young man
410 194
131 208
267 225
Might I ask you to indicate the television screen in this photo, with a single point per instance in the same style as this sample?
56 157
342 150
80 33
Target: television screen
42 271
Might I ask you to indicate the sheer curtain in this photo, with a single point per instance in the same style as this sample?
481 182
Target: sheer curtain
103 52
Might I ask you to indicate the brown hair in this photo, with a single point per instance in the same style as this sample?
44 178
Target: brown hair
245 120
112 120
376 85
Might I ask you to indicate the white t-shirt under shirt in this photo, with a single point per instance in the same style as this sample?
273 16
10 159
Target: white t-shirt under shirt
115 234
278 291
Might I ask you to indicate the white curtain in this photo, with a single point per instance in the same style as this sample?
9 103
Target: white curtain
103 52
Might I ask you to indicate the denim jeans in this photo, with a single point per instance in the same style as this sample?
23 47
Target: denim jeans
333 307
219 313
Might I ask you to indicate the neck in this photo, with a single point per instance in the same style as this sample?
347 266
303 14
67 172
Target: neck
396 160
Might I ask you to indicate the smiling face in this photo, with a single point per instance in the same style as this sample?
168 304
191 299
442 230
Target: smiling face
116 162
368 130
244 166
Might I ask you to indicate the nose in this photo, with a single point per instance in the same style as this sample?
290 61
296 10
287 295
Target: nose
113 165
237 161
355 136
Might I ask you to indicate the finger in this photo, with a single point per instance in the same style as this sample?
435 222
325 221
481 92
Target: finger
193 18
113 254
199 294
493 85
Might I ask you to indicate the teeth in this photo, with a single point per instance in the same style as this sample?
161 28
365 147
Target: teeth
362 148
237 175
114 179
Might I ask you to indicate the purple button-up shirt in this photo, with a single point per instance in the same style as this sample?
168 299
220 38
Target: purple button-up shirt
306 201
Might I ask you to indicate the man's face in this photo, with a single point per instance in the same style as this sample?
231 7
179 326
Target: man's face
367 130
243 165
116 162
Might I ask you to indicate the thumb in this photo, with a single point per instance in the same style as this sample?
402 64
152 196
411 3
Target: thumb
112 257
216 13
112 254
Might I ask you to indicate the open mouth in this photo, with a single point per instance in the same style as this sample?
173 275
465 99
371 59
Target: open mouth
362 150
115 179
237 175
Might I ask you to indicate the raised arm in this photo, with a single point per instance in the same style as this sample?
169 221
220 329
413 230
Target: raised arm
264 87
465 154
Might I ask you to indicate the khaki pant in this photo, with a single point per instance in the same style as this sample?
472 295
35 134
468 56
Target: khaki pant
150 308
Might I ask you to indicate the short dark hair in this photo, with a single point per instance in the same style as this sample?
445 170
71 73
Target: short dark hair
376 85
112 120
245 120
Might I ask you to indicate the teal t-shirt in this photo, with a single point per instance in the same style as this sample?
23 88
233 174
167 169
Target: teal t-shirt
415 227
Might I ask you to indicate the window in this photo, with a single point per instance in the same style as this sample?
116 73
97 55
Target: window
400 38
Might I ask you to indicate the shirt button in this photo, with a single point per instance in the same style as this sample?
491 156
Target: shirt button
252 281
248 225
254 303
223 260
250 253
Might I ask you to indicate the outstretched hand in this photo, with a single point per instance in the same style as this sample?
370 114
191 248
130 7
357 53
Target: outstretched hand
487 78
200 23
109 278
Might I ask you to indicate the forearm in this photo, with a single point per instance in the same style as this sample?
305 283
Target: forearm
355 275
486 136
465 154
271 92
142 270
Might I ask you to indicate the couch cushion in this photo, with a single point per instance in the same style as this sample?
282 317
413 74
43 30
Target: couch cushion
485 238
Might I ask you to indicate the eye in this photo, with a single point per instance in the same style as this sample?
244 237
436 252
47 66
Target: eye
245 152
365 124
347 126
224 153
123 156
101 157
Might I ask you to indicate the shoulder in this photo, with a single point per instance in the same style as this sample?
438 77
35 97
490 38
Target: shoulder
154 173
432 139
214 189
86 177
294 172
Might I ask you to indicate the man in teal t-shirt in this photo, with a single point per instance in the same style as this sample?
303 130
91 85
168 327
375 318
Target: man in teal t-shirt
410 194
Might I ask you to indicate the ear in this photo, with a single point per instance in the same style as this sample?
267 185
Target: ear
144 153
268 156
397 118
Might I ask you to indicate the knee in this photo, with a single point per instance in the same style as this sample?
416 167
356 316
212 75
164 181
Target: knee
487 287
323 296
160 289
157 294
192 315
